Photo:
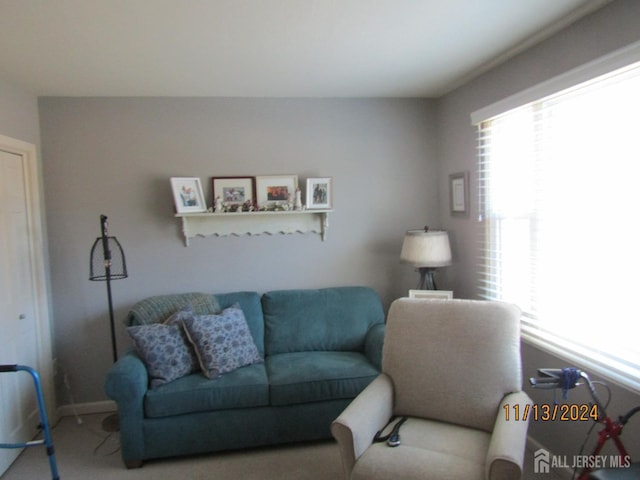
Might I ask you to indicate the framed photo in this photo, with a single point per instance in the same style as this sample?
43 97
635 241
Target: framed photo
431 294
273 189
187 195
233 190
319 193
459 194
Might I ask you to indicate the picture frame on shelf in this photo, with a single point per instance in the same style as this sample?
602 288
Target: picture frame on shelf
187 195
319 195
459 194
275 189
431 294
233 190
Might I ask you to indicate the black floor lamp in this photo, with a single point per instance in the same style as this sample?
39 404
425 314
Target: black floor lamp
108 263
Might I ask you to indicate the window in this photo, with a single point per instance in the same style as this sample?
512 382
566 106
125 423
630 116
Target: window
560 220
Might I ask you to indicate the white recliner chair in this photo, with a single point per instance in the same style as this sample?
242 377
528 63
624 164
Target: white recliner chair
453 368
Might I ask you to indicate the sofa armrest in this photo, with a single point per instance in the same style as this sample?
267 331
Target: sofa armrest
356 426
508 441
126 383
373 344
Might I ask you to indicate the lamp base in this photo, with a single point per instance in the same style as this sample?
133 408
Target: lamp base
427 282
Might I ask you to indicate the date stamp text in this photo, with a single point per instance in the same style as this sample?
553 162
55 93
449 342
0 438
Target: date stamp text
546 412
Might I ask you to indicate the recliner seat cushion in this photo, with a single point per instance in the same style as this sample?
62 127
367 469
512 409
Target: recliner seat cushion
304 377
428 449
243 388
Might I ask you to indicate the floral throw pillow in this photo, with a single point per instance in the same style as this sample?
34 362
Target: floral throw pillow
223 342
178 319
165 349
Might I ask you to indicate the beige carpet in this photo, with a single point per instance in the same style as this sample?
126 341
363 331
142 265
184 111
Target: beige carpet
85 452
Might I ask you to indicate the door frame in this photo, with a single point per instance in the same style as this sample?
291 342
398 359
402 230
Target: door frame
37 249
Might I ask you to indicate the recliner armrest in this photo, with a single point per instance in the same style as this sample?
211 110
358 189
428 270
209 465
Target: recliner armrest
508 441
356 426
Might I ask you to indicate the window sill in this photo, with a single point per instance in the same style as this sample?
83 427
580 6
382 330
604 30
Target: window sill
589 361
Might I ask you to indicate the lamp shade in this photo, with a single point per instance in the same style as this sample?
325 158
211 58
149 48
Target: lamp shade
113 257
426 248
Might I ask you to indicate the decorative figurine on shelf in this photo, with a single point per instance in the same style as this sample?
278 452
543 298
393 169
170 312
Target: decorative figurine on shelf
219 208
298 205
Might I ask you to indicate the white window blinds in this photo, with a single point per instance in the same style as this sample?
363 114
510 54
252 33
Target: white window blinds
560 220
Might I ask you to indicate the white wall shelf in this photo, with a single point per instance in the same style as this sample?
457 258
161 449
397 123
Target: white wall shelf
254 223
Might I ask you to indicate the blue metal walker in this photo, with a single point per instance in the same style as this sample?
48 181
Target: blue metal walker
44 422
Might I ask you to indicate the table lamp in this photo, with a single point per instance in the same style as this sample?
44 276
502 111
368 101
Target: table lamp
426 250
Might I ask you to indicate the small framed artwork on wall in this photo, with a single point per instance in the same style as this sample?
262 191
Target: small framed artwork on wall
273 189
233 190
459 194
319 193
187 195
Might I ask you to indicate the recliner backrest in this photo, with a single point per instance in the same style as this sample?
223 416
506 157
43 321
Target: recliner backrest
452 360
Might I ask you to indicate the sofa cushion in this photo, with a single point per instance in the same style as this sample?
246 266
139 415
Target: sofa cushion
223 342
303 377
330 319
158 308
243 388
252 309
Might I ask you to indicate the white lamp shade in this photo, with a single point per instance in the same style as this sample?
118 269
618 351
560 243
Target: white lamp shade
426 249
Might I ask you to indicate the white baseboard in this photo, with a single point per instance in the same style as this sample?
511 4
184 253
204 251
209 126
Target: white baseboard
106 406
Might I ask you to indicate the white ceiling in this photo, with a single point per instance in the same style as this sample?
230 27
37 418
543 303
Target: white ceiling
267 48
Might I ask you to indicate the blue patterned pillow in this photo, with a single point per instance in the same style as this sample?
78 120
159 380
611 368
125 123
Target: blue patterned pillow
178 319
223 342
165 349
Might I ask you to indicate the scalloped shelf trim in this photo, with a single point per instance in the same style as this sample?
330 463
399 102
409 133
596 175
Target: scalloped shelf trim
254 223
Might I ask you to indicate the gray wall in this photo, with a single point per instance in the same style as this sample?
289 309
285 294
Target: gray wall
611 28
19 113
115 156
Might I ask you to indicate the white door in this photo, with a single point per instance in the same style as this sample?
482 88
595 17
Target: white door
21 339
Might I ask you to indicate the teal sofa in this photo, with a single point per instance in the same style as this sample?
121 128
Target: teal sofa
320 347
